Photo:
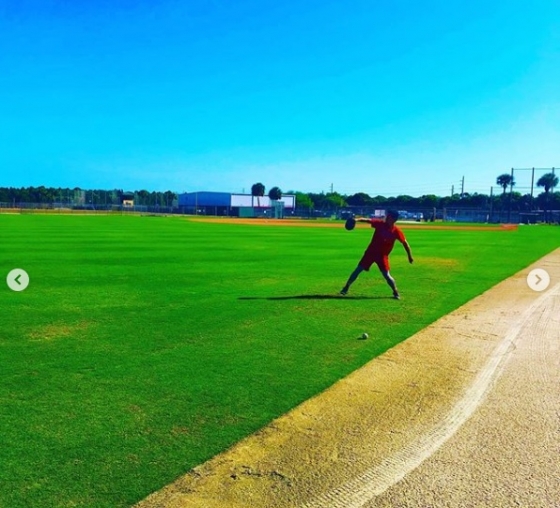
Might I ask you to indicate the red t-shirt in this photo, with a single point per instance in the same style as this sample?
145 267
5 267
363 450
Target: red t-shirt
384 237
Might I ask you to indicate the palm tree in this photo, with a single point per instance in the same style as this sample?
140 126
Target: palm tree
548 181
275 194
257 190
504 181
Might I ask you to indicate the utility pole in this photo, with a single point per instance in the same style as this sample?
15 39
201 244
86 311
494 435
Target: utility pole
532 186
510 195
462 187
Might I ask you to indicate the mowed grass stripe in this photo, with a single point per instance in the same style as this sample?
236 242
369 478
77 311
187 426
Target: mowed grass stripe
143 346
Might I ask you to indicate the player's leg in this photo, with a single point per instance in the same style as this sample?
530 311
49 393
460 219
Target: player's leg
353 276
389 279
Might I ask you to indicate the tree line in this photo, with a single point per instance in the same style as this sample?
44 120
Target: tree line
512 200
82 197
507 199
517 201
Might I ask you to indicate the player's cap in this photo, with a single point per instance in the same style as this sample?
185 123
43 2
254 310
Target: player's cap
393 213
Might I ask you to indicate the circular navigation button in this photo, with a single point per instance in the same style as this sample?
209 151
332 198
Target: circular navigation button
538 279
17 279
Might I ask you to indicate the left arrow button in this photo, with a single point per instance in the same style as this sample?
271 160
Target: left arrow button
17 279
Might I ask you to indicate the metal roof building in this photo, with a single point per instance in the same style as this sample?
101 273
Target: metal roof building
243 205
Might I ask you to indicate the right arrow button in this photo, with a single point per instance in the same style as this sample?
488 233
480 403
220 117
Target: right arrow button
538 279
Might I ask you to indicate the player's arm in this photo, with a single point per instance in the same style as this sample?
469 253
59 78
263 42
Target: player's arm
408 251
371 222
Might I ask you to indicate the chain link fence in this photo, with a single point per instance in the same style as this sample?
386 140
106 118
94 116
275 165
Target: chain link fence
451 214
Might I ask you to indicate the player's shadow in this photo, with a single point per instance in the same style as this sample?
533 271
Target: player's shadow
316 297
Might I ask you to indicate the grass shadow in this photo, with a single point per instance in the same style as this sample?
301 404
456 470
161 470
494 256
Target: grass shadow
315 297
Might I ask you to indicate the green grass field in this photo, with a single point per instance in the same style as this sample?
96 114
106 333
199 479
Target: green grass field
145 345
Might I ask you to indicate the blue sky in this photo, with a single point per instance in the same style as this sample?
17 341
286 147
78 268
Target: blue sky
383 97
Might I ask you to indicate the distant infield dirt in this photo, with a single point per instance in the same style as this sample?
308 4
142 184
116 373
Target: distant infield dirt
465 413
340 224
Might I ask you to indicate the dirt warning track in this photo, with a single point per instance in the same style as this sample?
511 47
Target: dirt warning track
464 413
